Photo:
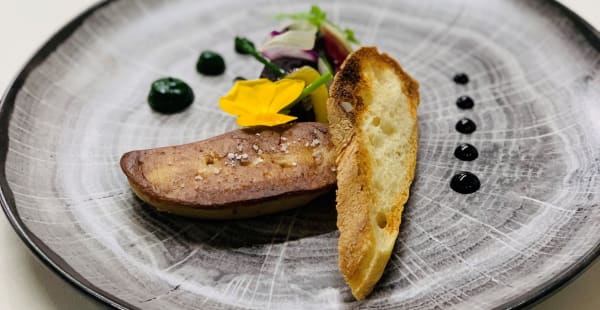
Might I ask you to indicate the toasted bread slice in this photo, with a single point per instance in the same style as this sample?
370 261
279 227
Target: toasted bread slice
373 122
239 174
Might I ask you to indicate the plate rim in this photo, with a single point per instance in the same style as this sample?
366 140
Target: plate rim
56 264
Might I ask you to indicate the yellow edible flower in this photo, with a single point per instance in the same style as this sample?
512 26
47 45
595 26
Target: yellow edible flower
258 102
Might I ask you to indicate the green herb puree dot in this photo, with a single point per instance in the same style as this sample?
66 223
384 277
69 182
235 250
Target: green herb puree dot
170 95
210 63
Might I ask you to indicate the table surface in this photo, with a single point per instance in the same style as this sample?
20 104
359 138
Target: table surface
25 283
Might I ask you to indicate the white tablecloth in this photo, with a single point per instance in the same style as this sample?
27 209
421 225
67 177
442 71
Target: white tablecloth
25 283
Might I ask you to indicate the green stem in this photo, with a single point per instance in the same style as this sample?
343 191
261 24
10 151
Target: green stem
246 46
314 85
310 88
271 66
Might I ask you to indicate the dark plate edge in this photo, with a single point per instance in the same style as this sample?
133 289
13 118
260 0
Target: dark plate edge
546 290
589 32
55 263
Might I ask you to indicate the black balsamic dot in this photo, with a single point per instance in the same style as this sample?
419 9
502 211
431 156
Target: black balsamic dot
461 78
465 126
465 102
466 152
465 183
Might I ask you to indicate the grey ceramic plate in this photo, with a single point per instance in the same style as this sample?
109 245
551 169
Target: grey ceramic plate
535 78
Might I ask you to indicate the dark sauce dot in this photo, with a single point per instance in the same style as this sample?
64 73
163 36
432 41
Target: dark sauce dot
210 63
461 78
239 78
170 95
465 183
465 102
466 126
466 152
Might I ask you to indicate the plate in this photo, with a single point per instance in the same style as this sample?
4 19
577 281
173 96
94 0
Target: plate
534 70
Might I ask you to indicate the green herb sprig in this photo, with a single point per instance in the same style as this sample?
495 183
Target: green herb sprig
316 16
246 46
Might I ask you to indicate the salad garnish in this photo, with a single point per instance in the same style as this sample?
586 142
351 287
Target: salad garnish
308 51
316 16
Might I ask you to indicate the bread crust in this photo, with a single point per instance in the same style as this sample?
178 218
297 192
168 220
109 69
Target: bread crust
239 174
364 248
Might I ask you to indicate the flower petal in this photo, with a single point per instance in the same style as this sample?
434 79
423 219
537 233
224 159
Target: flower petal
233 108
271 119
287 90
248 97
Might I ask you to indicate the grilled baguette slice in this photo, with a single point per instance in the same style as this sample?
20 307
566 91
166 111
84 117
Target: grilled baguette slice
239 174
373 122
